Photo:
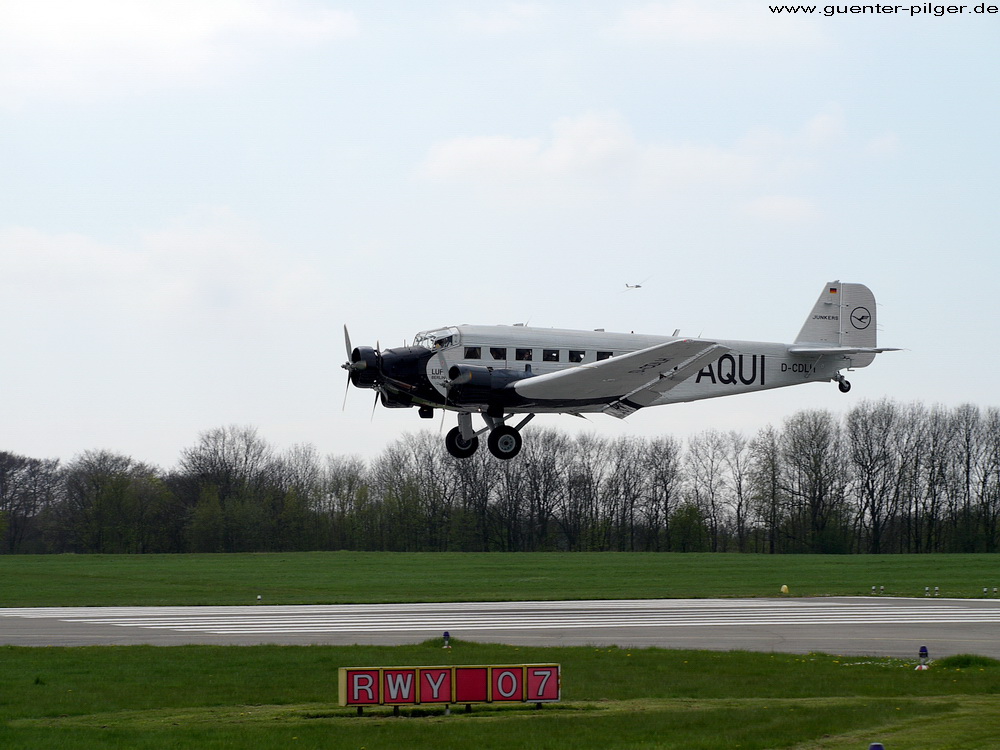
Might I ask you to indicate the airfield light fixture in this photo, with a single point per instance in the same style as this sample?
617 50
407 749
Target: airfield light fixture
923 659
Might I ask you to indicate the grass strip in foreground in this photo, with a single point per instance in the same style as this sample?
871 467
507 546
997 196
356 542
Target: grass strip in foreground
271 697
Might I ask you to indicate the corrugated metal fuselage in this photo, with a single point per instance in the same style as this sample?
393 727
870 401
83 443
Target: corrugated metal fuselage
419 375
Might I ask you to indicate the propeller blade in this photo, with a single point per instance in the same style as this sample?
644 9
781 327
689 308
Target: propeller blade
346 391
377 394
347 340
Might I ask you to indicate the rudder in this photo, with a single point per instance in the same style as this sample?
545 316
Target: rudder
844 315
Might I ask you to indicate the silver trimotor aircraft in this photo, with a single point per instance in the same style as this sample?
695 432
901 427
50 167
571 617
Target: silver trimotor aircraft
500 371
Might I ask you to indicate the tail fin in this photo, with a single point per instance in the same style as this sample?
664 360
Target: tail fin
843 316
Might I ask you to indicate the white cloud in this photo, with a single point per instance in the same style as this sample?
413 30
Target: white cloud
598 153
211 270
88 50
508 19
884 145
785 209
591 145
714 21
824 129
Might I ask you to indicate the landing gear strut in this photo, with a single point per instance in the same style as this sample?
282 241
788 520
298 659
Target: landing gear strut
504 441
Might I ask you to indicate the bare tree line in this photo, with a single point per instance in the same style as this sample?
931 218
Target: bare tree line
883 478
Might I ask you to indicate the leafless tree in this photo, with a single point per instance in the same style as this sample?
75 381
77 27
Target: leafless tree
872 433
27 486
112 503
816 481
706 464
662 469
738 459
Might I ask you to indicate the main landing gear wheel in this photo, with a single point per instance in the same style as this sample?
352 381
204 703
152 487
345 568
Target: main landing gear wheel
843 384
504 442
458 447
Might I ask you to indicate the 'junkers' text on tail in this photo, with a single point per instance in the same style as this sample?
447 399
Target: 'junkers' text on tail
503 372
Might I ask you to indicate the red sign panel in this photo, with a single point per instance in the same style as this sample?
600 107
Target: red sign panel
399 686
507 683
374 686
543 684
363 687
472 684
435 685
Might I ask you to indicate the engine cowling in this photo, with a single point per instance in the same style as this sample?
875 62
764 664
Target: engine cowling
478 384
365 363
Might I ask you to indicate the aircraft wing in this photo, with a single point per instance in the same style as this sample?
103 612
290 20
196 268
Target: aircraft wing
839 350
631 381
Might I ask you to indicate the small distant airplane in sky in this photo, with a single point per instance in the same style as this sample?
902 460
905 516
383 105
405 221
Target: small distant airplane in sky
636 286
500 371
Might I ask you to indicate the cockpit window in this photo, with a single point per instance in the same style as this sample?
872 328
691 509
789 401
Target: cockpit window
435 339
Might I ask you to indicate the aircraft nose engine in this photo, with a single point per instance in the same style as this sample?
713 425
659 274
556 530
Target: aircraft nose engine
364 367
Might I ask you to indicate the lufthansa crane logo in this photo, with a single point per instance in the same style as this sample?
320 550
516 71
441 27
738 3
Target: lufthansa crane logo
861 318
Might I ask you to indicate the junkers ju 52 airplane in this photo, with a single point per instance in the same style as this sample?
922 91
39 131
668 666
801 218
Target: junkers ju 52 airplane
502 371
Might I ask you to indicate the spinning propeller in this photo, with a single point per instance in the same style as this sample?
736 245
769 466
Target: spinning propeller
364 369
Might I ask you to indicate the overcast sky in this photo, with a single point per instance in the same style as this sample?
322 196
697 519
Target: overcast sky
196 196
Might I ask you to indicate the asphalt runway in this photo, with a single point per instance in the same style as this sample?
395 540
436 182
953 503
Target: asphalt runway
877 626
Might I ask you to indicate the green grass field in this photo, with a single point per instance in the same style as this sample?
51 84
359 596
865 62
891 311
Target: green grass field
349 577
280 697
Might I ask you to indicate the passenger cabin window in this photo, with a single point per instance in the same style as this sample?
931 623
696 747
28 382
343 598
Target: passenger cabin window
522 355
498 352
473 352
576 356
550 355
604 355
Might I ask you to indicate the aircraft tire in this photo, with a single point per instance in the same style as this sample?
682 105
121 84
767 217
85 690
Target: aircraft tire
458 447
504 442
844 386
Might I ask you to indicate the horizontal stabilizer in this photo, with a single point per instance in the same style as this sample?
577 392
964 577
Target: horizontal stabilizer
840 350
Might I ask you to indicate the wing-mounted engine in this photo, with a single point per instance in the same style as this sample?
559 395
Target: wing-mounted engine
478 384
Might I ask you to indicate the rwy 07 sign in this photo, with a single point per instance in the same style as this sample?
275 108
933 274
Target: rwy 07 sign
521 683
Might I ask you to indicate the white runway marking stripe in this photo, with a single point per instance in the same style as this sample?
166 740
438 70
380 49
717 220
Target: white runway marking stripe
523 616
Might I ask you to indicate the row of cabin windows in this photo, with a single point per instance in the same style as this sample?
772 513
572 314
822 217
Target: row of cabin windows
526 355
